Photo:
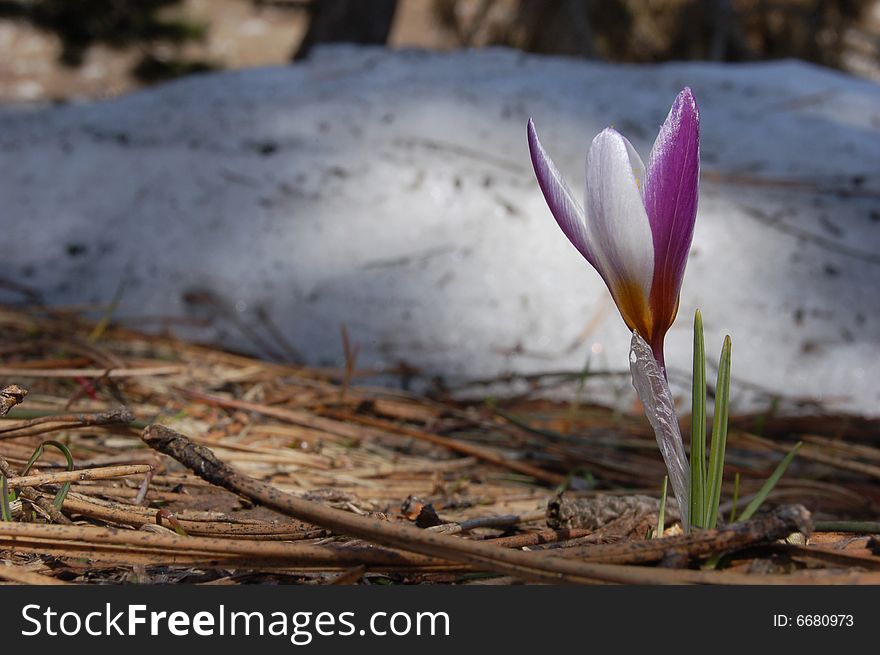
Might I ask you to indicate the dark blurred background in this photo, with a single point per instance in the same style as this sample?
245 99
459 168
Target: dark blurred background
56 50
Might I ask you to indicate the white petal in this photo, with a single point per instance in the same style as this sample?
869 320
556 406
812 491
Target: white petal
560 199
617 229
637 166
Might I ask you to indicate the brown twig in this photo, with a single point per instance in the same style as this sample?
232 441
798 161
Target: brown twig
529 539
296 417
778 524
34 497
145 371
502 522
168 547
19 575
46 424
456 445
136 516
100 473
810 452
349 577
345 425
10 397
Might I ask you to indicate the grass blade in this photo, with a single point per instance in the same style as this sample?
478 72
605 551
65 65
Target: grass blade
661 516
698 427
735 498
5 510
102 325
769 483
62 492
719 435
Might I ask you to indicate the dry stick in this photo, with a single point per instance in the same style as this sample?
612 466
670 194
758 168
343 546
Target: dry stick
144 488
139 516
343 428
127 556
778 524
528 565
33 497
46 424
43 538
117 493
147 548
541 537
296 417
20 575
811 454
835 557
502 522
455 445
843 447
205 464
349 577
99 473
146 371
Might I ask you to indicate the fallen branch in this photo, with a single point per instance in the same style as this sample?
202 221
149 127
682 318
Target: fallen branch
536 566
767 528
112 544
45 424
136 516
99 473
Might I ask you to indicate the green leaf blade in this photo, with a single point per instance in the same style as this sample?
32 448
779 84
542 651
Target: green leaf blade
769 483
719 435
698 427
661 514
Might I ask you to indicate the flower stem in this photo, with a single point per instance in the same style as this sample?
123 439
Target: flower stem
650 383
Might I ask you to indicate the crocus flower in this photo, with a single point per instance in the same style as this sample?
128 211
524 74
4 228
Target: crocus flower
637 223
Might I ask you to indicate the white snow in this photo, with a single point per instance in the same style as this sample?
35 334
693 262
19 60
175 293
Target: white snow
393 192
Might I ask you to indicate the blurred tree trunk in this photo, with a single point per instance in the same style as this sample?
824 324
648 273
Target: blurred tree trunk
347 21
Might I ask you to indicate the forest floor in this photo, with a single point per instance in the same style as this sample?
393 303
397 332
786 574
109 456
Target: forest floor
200 466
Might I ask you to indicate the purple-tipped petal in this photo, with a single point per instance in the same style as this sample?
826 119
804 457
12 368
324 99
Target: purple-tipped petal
671 190
563 206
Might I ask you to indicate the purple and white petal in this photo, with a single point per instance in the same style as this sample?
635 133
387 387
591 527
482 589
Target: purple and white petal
562 203
671 189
